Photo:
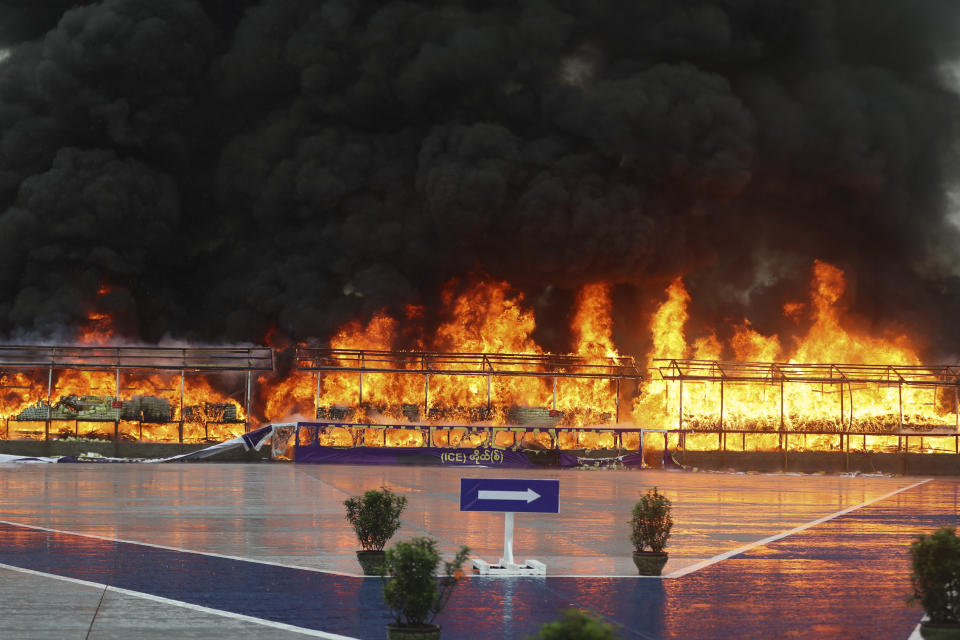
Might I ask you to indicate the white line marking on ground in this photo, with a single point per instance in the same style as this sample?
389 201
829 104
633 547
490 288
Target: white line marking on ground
201 553
759 543
916 631
185 605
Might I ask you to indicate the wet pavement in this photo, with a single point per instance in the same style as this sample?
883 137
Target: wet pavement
220 550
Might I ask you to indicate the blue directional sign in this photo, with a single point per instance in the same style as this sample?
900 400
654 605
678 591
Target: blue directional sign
510 495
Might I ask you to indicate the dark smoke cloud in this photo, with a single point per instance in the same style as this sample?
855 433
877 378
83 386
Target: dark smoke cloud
228 168
90 214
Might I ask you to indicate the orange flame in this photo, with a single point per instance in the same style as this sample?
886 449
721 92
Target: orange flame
758 406
98 329
667 325
751 346
490 317
592 323
485 317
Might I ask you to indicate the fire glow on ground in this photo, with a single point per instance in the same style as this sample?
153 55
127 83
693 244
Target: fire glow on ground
751 555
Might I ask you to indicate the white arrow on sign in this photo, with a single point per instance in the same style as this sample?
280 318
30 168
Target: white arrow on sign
529 495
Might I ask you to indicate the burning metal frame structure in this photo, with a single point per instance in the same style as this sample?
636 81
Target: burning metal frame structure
488 365
150 360
843 377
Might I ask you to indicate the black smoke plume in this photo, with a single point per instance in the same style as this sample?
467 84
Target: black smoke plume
231 168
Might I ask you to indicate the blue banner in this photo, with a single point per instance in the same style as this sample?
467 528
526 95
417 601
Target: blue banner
435 456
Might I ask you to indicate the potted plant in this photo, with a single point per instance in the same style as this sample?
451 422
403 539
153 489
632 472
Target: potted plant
375 517
412 590
651 524
576 624
935 562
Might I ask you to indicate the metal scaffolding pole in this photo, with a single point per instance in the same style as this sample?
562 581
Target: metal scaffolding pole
680 436
841 415
900 422
180 427
426 395
49 391
680 405
617 419
842 411
117 394
724 436
900 405
721 404
850 390
489 397
46 425
360 359
246 409
782 446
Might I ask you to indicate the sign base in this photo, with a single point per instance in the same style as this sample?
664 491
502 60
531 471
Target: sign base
529 568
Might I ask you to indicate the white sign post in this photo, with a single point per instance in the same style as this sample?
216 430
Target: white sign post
509 496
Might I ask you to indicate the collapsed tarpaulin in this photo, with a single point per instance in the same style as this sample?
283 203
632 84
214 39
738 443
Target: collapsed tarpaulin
252 441
24 459
670 462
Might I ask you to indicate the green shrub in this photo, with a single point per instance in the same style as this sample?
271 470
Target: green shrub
936 574
576 625
411 588
375 517
651 521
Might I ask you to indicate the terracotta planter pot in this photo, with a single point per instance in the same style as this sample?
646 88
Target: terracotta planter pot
942 631
373 562
425 632
649 563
